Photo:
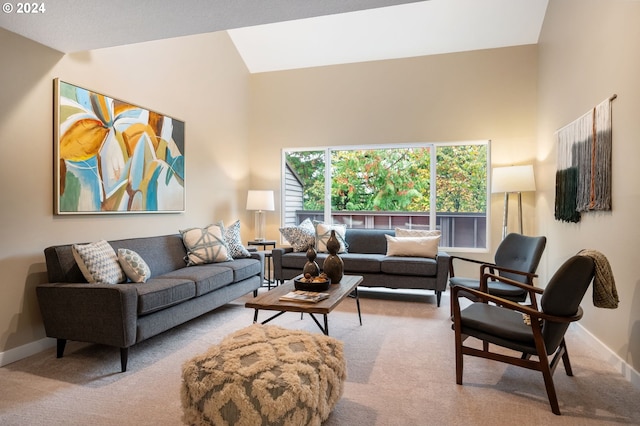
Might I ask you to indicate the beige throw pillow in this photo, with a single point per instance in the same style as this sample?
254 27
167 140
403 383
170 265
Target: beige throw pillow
412 246
323 233
401 232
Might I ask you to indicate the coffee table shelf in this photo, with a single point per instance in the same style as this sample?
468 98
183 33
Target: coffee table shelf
270 301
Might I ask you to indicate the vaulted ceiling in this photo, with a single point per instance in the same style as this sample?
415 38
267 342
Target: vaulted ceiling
286 34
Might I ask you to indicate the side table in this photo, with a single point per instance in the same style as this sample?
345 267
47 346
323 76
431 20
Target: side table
267 255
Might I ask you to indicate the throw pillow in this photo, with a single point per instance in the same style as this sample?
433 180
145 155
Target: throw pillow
323 232
133 265
234 241
401 232
205 245
98 262
412 246
300 237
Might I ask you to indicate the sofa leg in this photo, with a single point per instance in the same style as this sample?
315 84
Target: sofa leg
61 343
438 297
124 357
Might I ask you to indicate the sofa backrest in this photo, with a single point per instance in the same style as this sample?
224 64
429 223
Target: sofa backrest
162 253
369 241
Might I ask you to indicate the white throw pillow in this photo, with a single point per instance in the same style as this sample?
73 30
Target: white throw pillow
205 245
401 232
300 237
98 262
133 265
323 233
412 246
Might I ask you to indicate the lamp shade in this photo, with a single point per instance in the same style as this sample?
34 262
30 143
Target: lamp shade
513 179
260 200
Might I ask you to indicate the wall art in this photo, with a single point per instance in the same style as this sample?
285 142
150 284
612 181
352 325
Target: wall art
115 157
583 176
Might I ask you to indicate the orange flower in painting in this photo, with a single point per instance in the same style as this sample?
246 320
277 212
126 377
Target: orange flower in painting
82 140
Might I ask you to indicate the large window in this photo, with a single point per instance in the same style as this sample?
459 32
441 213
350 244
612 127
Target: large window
419 186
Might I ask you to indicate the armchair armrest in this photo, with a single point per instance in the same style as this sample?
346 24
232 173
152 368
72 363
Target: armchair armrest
525 309
97 313
443 261
276 255
258 255
464 259
493 268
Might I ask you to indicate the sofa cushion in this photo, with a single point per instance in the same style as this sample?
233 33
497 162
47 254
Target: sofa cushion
371 241
160 293
206 277
397 265
361 262
98 262
205 245
244 268
133 265
297 260
161 253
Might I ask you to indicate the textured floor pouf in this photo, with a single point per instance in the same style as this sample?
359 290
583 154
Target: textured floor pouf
267 375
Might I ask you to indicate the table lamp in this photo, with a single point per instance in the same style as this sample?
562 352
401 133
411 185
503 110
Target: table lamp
260 201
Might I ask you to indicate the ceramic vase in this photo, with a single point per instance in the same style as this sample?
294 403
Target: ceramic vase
333 265
311 266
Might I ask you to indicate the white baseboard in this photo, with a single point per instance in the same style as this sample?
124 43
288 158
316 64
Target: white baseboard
627 371
16 354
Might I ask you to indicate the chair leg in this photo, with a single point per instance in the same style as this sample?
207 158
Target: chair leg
459 363
565 359
548 382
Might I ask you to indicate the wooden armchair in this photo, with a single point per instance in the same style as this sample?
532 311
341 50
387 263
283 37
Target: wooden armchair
524 329
517 258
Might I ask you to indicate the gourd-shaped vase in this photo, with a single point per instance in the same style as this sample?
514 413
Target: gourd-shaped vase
311 267
333 265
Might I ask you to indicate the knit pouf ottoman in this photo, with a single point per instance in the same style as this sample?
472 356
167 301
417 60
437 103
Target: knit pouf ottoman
264 375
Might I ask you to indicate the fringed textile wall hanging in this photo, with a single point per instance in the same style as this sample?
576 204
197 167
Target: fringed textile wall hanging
583 178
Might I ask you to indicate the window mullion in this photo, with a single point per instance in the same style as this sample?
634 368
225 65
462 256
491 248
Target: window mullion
328 218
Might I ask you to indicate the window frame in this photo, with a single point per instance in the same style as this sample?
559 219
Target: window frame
433 146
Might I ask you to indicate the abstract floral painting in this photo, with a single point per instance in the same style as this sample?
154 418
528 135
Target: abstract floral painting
115 157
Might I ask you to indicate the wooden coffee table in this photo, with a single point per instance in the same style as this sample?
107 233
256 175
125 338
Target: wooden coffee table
270 301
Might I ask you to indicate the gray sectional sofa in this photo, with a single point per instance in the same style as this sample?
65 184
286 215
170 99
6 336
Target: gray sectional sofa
122 315
366 256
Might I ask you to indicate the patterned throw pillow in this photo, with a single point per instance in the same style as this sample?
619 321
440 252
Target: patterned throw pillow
300 237
205 245
401 232
98 262
323 232
133 265
234 241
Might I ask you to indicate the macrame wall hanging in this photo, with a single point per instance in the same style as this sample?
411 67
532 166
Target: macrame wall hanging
583 178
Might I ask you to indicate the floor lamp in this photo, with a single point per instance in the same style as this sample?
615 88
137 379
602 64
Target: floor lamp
517 179
260 201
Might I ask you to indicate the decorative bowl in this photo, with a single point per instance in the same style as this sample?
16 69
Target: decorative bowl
303 284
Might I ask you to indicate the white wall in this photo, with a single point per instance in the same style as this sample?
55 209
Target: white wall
588 51
199 79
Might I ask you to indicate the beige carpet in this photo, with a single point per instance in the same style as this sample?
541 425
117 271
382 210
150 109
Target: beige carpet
400 371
